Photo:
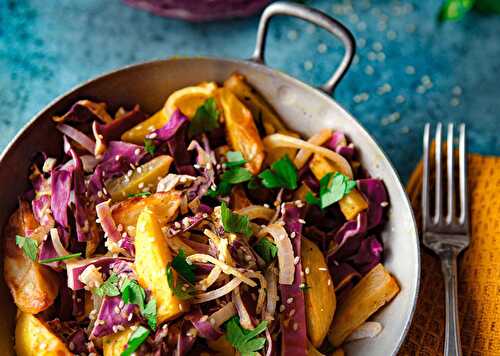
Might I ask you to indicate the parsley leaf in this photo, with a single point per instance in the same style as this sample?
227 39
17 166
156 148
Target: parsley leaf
266 249
149 313
136 339
141 194
60 258
29 247
205 119
109 287
245 341
133 293
233 222
235 159
177 288
332 188
283 174
236 175
181 266
149 146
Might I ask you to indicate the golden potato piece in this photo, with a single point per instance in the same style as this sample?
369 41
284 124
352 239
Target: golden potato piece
320 296
300 194
151 258
164 205
33 286
115 344
221 346
374 290
241 131
189 99
144 177
351 204
312 351
137 133
338 352
34 338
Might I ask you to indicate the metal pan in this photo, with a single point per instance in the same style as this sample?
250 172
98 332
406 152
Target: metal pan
304 109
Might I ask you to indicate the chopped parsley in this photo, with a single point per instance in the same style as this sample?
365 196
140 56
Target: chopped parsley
133 293
141 194
266 249
60 258
245 341
149 146
205 119
332 188
235 175
283 174
180 291
136 339
29 247
109 287
234 159
233 222
149 313
181 266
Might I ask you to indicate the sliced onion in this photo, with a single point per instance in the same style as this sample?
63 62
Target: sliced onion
367 330
77 136
262 290
257 212
285 252
106 220
245 320
216 293
205 283
199 257
318 139
279 140
100 145
222 315
272 291
58 246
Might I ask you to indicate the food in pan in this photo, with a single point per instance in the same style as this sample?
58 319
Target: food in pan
208 226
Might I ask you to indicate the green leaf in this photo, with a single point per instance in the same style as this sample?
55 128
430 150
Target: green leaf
236 175
233 222
60 258
109 287
205 119
149 146
136 339
29 247
283 174
266 249
184 269
453 10
177 288
141 194
245 341
149 313
311 199
133 293
253 183
332 188
234 159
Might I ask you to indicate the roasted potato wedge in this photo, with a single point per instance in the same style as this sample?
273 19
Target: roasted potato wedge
34 338
350 205
241 131
320 296
144 177
300 194
164 205
338 352
189 99
115 344
374 290
222 347
137 133
34 287
151 258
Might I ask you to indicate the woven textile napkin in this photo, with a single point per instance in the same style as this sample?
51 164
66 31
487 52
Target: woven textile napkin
479 272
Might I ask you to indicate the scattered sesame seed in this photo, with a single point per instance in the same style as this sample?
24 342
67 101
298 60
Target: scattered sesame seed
141 185
323 269
292 312
266 205
301 221
329 282
282 308
153 135
293 234
295 326
137 151
117 157
121 304
130 316
116 310
307 270
289 300
296 260
384 204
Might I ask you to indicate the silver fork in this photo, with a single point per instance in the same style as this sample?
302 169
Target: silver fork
447 235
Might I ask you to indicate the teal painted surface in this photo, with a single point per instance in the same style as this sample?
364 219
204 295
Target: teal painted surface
409 68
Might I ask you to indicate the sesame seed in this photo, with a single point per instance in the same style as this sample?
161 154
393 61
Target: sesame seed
282 308
177 225
141 185
212 321
130 316
117 157
322 269
307 270
266 205
293 234
329 282
384 204
302 221
295 326
116 310
296 260
292 312
137 151
180 307
43 345
153 135
121 304
71 345
289 300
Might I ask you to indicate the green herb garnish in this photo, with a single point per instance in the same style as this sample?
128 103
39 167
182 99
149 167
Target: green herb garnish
234 159
236 175
109 287
60 258
177 288
181 266
29 247
205 119
141 194
332 188
283 174
266 249
149 146
245 341
235 223
149 313
133 293
136 339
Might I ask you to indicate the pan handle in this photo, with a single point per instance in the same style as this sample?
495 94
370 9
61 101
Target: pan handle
316 17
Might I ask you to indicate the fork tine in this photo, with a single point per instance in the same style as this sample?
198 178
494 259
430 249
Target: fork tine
450 175
462 161
425 177
439 178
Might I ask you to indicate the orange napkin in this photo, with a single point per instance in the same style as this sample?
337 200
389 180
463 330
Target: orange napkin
479 272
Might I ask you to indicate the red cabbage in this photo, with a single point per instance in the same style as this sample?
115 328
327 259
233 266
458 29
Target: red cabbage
112 314
369 254
114 129
84 111
74 270
342 273
348 238
374 191
202 324
185 339
77 342
77 136
61 189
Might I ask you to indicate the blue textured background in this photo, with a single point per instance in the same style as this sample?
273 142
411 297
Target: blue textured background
409 68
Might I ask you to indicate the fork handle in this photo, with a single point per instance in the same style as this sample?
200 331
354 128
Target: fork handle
452 337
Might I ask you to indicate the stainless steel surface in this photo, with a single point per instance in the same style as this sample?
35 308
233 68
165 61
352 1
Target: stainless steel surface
316 17
447 235
149 84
